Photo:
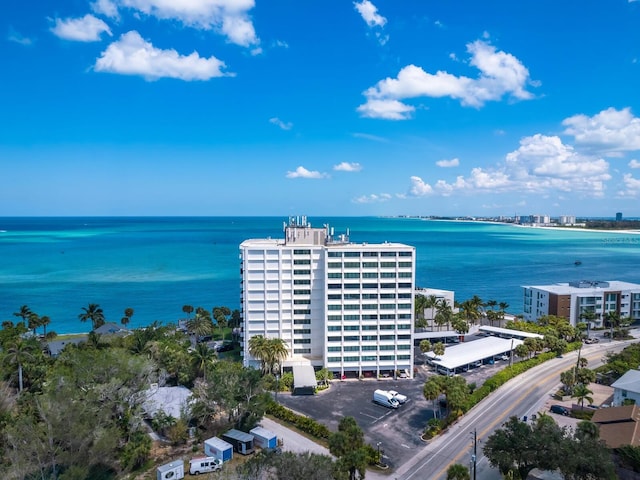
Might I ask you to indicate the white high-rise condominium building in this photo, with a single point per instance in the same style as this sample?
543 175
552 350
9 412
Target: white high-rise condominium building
340 305
573 300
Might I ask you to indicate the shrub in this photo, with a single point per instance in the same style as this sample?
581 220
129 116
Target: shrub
306 424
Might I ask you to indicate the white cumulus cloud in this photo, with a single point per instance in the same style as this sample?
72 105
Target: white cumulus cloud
500 74
454 162
227 17
373 198
632 186
611 131
387 109
132 55
634 163
108 8
369 13
348 167
85 29
302 172
281 124
542 164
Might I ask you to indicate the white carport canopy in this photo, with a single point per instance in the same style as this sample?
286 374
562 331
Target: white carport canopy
428 335
469 352
507 332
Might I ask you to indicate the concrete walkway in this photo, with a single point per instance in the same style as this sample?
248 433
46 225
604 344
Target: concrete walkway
292 441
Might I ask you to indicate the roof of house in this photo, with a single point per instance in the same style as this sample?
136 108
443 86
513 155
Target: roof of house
171 400
619 425
630 381
627 413
111 328
56 346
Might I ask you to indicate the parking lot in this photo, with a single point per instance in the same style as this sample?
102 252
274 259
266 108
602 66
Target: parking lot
398 431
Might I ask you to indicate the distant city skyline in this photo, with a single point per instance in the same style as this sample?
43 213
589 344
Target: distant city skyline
368 107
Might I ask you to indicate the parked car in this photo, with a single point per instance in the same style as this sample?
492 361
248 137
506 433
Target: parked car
200 465
592 340
224 347
504 357
398 396
384 398
559 409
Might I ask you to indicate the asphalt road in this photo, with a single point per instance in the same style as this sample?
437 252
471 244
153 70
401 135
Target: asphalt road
398 431
521 396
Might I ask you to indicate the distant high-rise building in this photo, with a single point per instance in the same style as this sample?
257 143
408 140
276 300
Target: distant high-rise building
567 219
618 216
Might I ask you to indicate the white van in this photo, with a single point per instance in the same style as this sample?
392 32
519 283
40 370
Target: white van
384 398
204 464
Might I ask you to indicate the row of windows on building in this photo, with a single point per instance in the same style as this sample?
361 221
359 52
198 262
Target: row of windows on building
368 348
367 296
364 328
364 338
333 265
367 358
334 254
351 317
367 286
332 275
370 316
368 338
371 306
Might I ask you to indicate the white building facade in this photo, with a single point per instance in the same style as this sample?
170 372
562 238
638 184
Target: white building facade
572 300
340 305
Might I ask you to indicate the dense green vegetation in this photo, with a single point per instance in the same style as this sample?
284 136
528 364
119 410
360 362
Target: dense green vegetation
519 447
613 224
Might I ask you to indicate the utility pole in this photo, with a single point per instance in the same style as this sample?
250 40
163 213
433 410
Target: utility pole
511 353
474 457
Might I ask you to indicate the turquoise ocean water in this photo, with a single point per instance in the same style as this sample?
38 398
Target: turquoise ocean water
156 265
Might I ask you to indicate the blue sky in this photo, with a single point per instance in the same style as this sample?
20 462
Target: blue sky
382 107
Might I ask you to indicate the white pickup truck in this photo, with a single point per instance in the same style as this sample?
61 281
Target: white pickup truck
398 396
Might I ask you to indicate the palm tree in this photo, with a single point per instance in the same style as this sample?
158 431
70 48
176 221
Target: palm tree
458 471
33 322
17 353
44 321
220 315
444 313
188 309
279 352
581 392
202 356
94 313
201 324
432 390
425 346
503 307
271 352
258 350
128 313
24 313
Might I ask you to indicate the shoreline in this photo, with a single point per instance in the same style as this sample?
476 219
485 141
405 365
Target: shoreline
542 227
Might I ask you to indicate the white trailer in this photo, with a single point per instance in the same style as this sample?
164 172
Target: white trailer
171 471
